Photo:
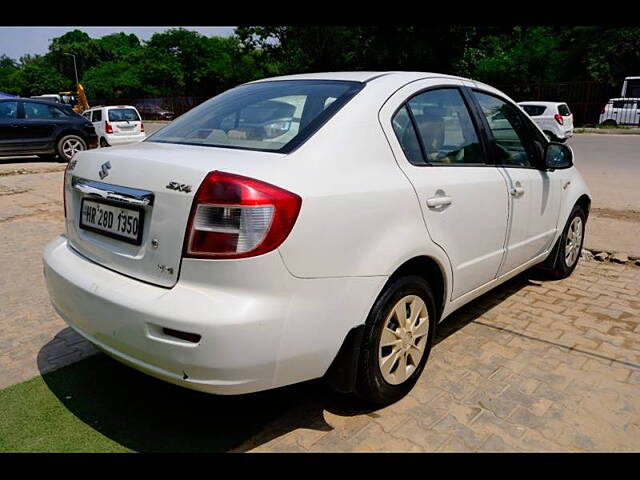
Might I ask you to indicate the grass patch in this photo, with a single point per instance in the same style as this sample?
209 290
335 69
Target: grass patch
99 405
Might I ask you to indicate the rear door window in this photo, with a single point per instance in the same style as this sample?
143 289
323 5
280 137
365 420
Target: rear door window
97 116
534 110
123 115
42 111
435 127
8 110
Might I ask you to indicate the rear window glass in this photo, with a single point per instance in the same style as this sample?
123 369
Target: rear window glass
123 115
534 110
270 116
564 110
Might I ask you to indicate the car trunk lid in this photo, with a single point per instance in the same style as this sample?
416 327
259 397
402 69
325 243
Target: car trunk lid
153 183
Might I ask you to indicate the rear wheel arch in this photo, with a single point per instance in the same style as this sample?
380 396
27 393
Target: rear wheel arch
342 373
429 269
70 131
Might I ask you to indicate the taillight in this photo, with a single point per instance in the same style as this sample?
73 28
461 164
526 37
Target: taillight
141 127
234 216
559 118
108 128
603 107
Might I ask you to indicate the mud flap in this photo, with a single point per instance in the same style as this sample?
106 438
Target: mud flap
343 372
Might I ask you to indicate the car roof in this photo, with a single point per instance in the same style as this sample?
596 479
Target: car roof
99 107
364 77
624 98
31 100
542 104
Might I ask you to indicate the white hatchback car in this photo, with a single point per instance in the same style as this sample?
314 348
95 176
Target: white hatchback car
116 125
308 226
554 118
620 111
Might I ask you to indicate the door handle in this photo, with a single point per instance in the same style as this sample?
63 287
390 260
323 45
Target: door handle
435 202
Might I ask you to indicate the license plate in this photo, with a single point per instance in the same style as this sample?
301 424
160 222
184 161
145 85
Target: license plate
112 219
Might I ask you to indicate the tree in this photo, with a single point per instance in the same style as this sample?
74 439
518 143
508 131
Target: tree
8 68
614 54
38 76
88 52
112 80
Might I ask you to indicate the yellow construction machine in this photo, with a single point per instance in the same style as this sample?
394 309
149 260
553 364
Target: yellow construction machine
77 99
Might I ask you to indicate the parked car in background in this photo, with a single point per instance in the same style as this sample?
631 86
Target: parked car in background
116 125
554 118
43 128
621 111
307 226
154 112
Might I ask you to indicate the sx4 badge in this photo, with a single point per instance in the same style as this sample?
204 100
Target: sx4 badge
179 187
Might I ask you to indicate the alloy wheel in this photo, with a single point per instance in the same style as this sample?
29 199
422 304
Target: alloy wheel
72 146
573 242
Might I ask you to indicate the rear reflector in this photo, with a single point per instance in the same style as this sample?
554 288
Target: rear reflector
234 216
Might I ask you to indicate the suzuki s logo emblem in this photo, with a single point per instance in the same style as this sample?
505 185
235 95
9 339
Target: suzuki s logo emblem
179 187
104 169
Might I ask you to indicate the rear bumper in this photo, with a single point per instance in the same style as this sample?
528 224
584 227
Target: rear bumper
123 139
260 327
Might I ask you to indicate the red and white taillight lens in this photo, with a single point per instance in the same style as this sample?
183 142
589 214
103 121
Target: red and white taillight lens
234 217
559 118
108 128
141 127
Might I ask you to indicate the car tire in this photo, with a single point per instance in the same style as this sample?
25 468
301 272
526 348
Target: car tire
609 123
381 378
103 143
550 136
69 145
572 238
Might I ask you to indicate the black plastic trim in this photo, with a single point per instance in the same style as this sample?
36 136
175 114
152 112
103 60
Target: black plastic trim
342 375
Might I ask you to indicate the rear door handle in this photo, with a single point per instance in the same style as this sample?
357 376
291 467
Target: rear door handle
435 202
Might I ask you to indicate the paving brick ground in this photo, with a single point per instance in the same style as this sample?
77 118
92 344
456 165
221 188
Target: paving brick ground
533 365
31 215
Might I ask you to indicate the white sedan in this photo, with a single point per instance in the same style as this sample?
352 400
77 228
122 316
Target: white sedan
308 226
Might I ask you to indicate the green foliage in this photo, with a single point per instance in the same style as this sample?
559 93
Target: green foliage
180 62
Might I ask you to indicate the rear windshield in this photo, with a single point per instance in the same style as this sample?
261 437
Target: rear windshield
123 115
534 110
274 116
564 110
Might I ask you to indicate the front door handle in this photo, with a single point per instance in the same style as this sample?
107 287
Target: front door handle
435 202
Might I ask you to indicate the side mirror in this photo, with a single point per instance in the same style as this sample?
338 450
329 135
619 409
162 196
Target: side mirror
558 156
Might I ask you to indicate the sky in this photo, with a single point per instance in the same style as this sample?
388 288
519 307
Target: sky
17 41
